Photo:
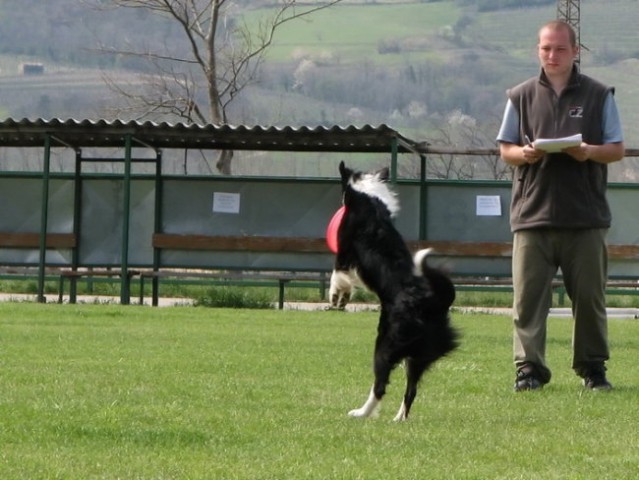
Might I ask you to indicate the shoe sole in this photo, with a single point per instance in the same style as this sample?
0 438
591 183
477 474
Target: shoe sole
528 388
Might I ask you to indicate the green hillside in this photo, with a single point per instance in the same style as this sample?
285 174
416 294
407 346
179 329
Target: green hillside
351 33
481 52
413 65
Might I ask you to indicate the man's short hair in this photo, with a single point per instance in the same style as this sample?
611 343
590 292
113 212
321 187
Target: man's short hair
561 25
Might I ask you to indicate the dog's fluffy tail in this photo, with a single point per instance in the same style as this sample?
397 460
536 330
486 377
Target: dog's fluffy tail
440 282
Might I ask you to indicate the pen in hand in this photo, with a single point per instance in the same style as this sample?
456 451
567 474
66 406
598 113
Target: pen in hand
530 144
527 158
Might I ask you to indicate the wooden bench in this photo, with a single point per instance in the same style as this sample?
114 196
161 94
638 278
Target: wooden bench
469 282
74 275
251 278
9 272
29 240
505 249
170 241
32 240
281 278
616 285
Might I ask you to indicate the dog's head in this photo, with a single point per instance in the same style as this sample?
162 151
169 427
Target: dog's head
373 184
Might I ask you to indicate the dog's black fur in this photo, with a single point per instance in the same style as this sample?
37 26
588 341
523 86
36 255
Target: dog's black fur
414 324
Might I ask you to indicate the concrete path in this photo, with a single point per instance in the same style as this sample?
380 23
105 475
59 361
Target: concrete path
632 313
93 299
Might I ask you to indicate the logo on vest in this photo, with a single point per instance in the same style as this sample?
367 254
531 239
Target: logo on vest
576 112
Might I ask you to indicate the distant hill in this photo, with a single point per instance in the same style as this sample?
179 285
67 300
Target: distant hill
413 65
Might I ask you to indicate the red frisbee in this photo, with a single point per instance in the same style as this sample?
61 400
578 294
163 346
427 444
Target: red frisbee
333 226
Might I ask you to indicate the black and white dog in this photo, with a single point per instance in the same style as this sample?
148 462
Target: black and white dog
414 324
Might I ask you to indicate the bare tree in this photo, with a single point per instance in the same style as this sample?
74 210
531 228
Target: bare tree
462 130
222 57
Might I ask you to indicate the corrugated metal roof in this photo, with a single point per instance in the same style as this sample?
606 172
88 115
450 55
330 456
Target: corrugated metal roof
102 133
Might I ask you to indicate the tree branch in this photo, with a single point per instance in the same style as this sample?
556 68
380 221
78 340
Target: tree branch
225 59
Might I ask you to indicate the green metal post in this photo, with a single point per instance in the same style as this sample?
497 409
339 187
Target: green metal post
157 227
77 218
44 218
125 284
394 150
423 198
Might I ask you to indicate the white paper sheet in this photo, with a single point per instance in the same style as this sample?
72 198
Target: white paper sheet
226 202
488 206
553 145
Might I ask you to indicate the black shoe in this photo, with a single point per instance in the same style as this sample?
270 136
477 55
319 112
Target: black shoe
526 380
597 381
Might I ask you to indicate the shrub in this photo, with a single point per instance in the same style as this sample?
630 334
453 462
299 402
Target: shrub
234 297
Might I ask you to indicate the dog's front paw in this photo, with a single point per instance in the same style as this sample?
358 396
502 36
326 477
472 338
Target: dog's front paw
340 289
339 300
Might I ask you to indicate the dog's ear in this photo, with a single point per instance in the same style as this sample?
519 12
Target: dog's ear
345 172
383 174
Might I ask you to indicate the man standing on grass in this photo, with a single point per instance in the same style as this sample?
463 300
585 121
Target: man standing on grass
559 213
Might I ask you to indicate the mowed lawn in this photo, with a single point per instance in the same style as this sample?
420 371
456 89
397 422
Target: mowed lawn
103 391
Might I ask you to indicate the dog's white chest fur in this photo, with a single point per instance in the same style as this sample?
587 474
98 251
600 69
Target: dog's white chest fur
370 184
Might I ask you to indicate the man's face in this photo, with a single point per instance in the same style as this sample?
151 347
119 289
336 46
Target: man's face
556 53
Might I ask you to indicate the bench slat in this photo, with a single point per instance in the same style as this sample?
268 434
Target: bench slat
505 249
623 252
240 243
32 240
465 249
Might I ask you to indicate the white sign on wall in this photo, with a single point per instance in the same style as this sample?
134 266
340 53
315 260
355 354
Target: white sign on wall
488 206
224 202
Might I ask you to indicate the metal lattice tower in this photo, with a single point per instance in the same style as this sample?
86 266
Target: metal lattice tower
569 12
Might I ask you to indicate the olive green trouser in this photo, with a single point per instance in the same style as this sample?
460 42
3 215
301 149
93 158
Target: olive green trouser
581 255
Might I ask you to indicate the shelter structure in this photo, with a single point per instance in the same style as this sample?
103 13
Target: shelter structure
156 137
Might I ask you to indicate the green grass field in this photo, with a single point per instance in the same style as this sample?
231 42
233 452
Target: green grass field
99 391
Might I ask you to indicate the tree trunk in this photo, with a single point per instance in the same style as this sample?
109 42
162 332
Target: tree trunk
223 164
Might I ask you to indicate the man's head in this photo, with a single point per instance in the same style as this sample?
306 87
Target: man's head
557 48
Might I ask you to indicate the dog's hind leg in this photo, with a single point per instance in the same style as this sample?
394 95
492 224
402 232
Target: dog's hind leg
373 402
382 367
414 371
